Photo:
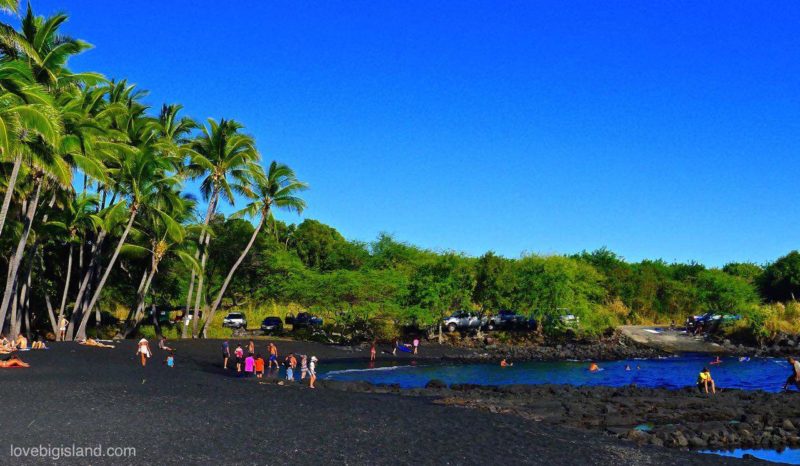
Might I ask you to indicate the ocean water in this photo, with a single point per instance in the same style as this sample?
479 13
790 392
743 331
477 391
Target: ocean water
766 374
788 456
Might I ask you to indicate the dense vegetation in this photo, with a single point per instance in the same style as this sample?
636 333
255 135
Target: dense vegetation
96 225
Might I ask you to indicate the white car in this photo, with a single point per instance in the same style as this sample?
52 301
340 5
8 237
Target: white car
235 320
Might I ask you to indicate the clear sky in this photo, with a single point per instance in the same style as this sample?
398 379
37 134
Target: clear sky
658 129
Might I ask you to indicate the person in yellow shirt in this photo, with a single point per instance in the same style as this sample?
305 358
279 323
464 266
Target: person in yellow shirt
704 380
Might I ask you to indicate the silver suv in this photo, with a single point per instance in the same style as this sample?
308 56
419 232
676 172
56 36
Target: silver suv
463 320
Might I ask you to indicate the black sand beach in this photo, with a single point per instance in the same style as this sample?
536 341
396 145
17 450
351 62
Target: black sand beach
196 413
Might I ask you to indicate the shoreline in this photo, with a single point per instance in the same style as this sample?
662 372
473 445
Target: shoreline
196 412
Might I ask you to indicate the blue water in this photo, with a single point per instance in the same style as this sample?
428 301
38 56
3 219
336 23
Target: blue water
789 456
757 374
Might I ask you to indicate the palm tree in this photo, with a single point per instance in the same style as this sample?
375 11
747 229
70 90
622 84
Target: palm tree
146 182
26 113
279 188
226 159
78 217
164 234
46 50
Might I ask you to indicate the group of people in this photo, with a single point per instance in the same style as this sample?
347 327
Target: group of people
412 348
252 363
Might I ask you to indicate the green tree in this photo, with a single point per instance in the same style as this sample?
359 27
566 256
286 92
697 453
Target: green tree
279 188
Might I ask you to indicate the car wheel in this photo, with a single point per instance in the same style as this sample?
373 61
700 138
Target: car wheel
451 327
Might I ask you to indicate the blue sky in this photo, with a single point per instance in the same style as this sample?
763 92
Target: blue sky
657 129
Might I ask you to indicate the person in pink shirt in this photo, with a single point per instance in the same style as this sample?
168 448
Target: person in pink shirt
239 354
249 365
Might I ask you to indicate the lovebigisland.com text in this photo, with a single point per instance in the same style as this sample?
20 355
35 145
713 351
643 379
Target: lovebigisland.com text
57 452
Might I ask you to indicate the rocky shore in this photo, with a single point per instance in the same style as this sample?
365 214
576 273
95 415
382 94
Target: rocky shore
683 419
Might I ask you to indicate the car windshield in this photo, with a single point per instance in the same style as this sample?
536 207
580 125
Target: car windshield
234 316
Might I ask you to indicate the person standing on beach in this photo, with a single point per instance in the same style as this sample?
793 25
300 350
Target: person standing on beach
144 350
303 367
251 347
239 354
291 363
226 354
312 372
259 366
62 328
249 365
793 379
373 350
273 356
416 344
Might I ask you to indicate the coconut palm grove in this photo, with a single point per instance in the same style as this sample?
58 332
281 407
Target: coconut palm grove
98 227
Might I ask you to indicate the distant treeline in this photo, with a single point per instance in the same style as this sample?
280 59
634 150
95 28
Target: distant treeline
313 266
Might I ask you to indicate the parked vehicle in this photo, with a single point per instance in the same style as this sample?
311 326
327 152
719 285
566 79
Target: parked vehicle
506 320
272 324
463 320
235 320
569 320
304 319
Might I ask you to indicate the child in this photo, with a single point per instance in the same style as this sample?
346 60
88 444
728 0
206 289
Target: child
249 365
239 353
259 366
171 359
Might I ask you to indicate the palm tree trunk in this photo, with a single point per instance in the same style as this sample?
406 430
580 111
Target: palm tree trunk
12 181
185 324
51 314
76 316
66 289
210 316
205 239
11 281
133 324
135 309
88 311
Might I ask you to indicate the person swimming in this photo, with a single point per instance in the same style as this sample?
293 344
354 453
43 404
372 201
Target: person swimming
627 367
593 367
716 361
505 363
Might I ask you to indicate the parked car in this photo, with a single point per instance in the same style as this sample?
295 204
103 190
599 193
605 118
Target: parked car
272 324
463 320
506 319
304 319
569 320
234 320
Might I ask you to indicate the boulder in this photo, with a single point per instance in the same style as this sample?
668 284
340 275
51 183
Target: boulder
435 384
697 442
787 425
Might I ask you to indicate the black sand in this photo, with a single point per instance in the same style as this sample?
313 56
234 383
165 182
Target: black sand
196 413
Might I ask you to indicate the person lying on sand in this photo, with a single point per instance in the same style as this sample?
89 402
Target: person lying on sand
704 380
794 378
93 342
13 361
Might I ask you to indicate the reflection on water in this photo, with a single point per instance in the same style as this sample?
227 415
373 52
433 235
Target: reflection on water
756 374
789 456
